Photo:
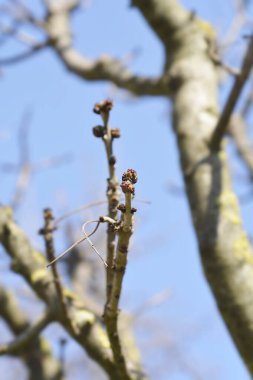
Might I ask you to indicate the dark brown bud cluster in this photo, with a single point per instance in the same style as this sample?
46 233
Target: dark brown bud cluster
98 131
130 175
129 178
103 107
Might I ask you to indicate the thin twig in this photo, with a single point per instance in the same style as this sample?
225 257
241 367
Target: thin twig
248 103
90 242
77 210
113 194
24 55
86 207
47 232
232 99
155 300
24 160
218 61
124 232
72 246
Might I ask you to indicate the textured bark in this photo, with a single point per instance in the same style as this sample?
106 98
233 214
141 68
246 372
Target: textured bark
224 247
190 80
37 356
32 266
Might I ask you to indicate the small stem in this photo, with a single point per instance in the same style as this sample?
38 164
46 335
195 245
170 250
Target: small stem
111 308
47 232
20 343
76 210
90 242
72 246
113 191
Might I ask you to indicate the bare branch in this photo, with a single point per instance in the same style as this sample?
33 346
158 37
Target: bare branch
32 266
215 57
113 192
237 128
76 210
47 232
84 273
124 232
24 160
27 336
25 55
105 68
25 167
37 356
57 26
74 245
233 98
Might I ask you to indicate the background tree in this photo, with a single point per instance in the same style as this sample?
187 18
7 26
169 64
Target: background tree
194 59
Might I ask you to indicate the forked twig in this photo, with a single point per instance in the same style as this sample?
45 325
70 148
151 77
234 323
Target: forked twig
90 242
73 246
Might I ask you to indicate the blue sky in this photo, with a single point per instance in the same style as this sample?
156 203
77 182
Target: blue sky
164 252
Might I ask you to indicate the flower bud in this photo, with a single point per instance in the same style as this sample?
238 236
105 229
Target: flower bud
103 107
127 187
130 175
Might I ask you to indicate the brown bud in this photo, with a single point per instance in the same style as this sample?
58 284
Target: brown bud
48 214
127 187
98 131
133 210
115 133
105 106
112 160
122 207
130 175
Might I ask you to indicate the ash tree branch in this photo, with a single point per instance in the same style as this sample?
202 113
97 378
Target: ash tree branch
113 192
59 37
105 68
47 231
237 129
24 55
37 356
32 266
233 97
27 336
224 247
124 232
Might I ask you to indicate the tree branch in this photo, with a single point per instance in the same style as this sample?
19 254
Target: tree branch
38 356
237 128
105 68
113 192
32 266
164 17
47 231
25 55
225 249
124 231
27 336
233 98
